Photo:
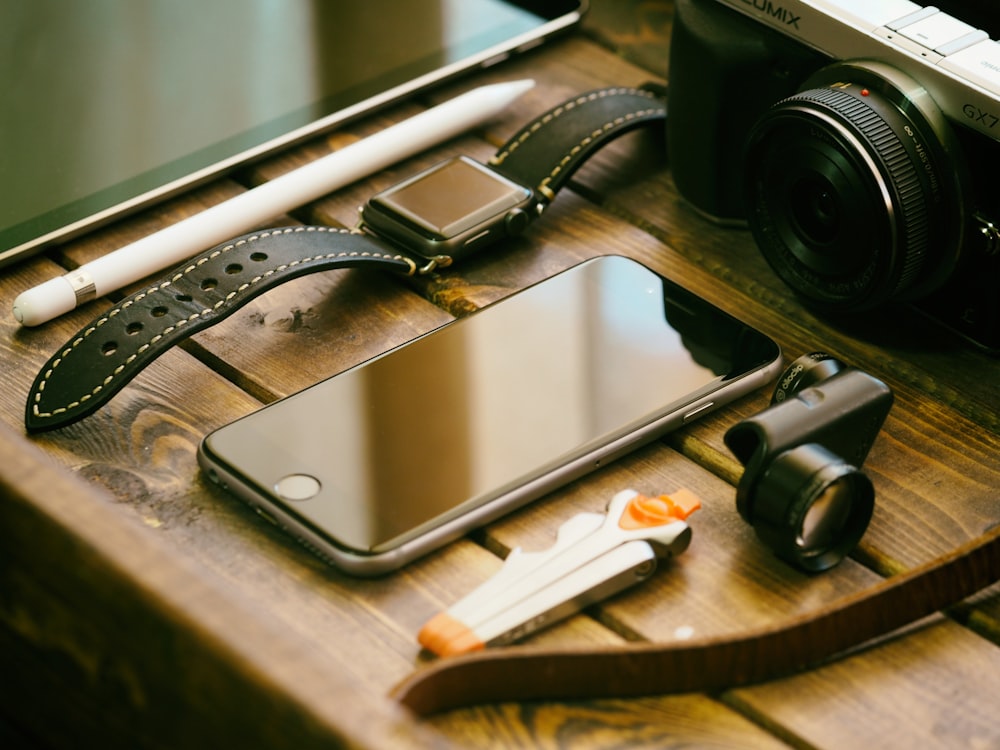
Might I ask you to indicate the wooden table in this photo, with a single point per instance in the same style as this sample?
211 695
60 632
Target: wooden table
140 606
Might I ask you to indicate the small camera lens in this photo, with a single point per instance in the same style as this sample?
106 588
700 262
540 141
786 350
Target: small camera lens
826 516
812 508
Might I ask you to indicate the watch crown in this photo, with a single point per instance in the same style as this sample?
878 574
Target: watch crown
515 222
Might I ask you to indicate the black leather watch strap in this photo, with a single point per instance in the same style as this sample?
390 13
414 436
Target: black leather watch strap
544 154
108 352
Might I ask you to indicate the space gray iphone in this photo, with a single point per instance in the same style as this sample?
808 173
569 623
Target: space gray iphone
404 452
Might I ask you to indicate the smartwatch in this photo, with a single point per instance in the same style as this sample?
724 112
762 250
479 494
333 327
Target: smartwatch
450 210
446 213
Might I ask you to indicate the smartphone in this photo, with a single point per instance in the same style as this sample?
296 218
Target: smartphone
115 104
393 458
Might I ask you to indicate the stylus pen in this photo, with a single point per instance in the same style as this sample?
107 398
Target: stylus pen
174 244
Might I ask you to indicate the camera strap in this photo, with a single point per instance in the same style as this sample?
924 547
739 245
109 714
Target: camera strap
778 650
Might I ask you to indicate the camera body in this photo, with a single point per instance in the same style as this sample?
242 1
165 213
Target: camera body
863 162
802 488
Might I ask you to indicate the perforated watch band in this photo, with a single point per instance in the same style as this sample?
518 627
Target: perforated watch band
108 352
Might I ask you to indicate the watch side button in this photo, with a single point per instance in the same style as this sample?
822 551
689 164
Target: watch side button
476 239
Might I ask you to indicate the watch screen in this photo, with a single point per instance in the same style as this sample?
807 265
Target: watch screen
452 197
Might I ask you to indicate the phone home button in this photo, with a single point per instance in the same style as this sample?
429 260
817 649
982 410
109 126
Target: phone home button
297 487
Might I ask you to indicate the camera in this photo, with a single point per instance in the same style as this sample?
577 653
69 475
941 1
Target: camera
860 148
802 488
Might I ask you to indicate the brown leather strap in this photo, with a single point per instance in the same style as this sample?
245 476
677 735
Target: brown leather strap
526 673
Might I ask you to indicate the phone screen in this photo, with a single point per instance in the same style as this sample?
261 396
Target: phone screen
517 398
113 103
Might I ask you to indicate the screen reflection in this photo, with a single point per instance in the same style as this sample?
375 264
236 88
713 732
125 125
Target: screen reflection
480 406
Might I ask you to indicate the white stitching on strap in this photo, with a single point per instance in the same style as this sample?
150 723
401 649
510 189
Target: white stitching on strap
194 316
550 117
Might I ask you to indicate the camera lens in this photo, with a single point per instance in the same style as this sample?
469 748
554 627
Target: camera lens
812 508
853 191
825 517
815 209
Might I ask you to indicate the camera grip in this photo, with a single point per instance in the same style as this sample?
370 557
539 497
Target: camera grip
725 71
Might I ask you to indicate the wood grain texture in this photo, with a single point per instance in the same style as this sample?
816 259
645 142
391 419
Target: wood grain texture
96 610
128 580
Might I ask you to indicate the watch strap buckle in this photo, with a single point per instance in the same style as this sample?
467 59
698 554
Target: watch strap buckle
433 263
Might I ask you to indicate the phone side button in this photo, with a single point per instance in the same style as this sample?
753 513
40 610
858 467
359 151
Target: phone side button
698 411
267 516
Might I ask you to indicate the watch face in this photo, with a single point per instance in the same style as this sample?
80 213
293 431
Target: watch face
446 202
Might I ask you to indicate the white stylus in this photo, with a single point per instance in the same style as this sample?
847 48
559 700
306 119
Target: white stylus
174 244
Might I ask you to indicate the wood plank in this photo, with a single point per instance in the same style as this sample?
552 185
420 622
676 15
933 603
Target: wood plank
677 721
184 660
634 29
935 686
